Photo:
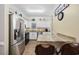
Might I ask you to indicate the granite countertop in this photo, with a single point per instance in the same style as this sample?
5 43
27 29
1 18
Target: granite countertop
55 38
35 30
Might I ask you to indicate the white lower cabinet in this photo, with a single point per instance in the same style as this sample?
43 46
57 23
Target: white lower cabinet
33 35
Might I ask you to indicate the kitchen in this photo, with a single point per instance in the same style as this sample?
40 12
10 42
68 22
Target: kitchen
36 24
29 25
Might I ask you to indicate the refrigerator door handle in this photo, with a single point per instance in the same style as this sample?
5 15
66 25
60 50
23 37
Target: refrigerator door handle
15 34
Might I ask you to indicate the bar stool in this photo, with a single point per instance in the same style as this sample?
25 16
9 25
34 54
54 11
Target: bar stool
69 49
45 49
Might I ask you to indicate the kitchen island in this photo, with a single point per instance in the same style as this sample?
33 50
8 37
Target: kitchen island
48 37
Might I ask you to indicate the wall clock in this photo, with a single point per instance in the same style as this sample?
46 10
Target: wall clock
60 16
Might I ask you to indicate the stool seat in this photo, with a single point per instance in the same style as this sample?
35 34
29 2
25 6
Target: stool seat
69 49
45 49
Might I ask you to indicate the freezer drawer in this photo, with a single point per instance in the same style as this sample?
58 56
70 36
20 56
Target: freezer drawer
18 48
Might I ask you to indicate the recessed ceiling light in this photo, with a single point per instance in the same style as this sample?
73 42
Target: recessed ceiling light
35 10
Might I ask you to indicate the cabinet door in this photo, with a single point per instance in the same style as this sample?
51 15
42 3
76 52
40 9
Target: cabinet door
33 35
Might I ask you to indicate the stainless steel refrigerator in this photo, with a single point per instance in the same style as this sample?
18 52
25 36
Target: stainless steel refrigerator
16 34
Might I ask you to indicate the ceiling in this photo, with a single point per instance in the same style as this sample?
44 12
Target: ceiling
47 9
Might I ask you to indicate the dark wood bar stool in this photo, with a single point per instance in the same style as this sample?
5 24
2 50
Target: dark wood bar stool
69 49
45 49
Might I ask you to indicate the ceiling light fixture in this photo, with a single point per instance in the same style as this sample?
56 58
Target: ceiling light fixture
35 10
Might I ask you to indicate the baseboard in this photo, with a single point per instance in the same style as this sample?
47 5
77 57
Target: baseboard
32 39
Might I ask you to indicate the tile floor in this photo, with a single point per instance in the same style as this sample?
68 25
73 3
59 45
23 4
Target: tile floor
30 48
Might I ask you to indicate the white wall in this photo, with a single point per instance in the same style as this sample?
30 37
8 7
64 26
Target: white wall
1 22
70 23
42 23
1 29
